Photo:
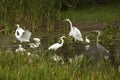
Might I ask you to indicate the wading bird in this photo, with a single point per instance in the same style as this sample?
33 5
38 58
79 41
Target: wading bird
102 50
20 49
22 35
97 50
36 39
74 32
36 44
57 45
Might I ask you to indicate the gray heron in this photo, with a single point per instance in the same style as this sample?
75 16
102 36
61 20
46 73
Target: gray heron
95 51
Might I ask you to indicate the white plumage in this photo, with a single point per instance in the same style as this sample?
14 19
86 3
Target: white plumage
87 40
20 49
36 44
22 35
74 32
36 39
57 45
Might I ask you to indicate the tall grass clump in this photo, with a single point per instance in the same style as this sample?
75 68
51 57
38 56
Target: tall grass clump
35 15
21 66
31 13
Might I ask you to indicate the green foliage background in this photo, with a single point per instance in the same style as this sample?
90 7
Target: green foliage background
33 14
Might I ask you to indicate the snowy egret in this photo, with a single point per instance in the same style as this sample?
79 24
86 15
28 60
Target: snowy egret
22 35
57 45
36 44
20 49
75 32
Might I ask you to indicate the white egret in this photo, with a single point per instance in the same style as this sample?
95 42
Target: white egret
57 45
22 35
74 32
36 39
36 44
20 49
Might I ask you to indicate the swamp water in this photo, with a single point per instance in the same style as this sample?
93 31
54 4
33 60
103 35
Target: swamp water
68 50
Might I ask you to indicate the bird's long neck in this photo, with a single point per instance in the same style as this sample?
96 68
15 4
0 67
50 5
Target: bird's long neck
70 24
97 39
62 41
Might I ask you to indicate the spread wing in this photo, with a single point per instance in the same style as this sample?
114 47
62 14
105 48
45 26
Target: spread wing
26 35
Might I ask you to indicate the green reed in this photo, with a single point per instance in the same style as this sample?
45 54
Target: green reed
20 66
32 14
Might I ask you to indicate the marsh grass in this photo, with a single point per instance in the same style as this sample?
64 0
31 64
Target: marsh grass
33 14
20 66
96 13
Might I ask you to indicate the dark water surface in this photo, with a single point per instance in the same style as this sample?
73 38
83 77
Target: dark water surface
70 47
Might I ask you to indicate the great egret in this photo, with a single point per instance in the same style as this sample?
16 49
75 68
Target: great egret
57 45
20 49
22 35
74 32
36 44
